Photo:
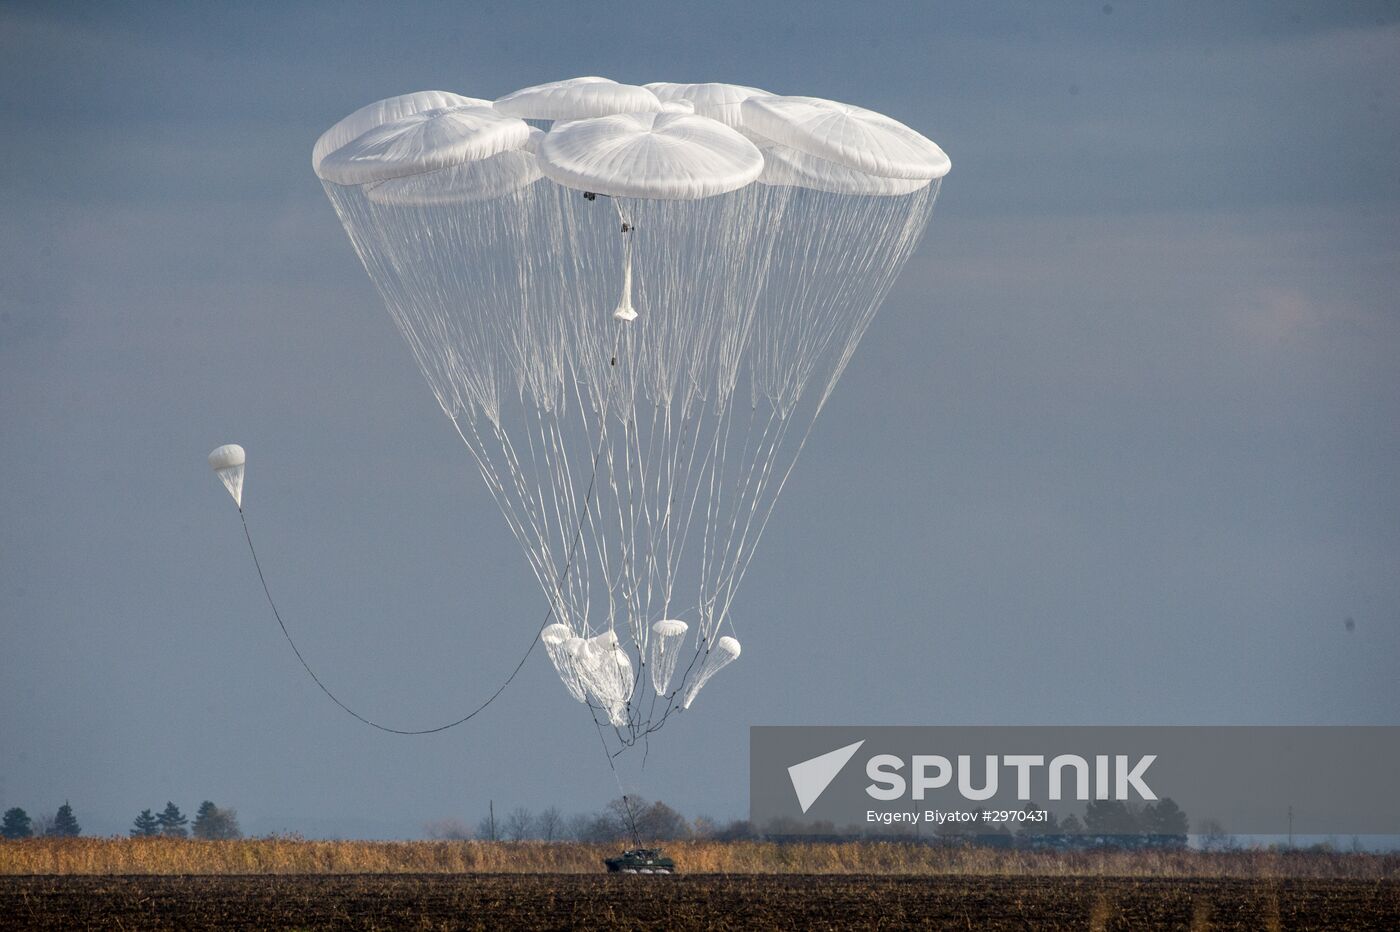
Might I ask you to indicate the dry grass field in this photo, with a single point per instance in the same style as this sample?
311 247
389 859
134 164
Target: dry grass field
165 856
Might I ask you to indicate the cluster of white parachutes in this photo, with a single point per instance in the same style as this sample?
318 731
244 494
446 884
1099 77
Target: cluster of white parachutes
632 302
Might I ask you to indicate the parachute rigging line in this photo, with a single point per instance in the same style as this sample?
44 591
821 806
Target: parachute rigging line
626 803
332 696
568 563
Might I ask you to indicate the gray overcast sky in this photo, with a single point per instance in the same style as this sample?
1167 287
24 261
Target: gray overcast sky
1122 447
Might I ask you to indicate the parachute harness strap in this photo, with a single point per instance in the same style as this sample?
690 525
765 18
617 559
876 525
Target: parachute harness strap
578 532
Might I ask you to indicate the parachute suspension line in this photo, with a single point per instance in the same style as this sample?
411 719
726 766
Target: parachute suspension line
757 297
332 696
753 488
621 791
257 565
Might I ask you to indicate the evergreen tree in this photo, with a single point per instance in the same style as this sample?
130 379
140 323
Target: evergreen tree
172 822
1111 820
202 819
65 825
212 822
16 824
1166 824
146 825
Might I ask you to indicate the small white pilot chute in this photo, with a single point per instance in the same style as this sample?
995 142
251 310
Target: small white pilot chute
555 638
725 652
667 636
606 673
227 462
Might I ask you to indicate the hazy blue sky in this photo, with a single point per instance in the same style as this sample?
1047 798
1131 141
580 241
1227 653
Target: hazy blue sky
1122 447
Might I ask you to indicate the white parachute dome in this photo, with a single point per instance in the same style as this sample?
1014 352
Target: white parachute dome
852 136
381 112
228 461
722 102
650 155
632 302
576 99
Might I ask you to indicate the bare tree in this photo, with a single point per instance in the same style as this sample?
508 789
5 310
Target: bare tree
520 824
625 817
704 827
736 830
550 823
660 821
448 830
1213 836
577 826
603 827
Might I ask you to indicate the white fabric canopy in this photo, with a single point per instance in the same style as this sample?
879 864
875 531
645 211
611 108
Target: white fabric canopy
230 454
470 181
577 99
385 111
662 140
228 461
669 156
785 166
716 101
852 136
422 142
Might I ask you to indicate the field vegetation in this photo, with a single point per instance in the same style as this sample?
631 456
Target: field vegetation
292 855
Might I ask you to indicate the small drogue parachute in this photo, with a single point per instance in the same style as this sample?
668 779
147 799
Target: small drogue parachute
227 462
632 302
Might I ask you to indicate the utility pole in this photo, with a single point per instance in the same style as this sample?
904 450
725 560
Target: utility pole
491 808
1290 828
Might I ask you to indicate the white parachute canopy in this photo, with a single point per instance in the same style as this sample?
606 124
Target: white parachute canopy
227 462
576 99
720 102
632 302
675 156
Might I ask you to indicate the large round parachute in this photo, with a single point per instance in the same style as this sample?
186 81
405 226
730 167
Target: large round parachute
632 303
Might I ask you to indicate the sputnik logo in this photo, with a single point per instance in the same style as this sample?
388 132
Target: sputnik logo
811 777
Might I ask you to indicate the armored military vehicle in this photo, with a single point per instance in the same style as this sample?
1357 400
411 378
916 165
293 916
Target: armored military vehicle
641 861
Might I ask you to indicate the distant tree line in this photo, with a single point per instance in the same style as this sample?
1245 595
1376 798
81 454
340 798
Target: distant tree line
210 822
1105 823
617 822
16 824
1160 824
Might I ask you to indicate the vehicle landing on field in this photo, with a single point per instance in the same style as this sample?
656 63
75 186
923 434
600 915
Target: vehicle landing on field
641 861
